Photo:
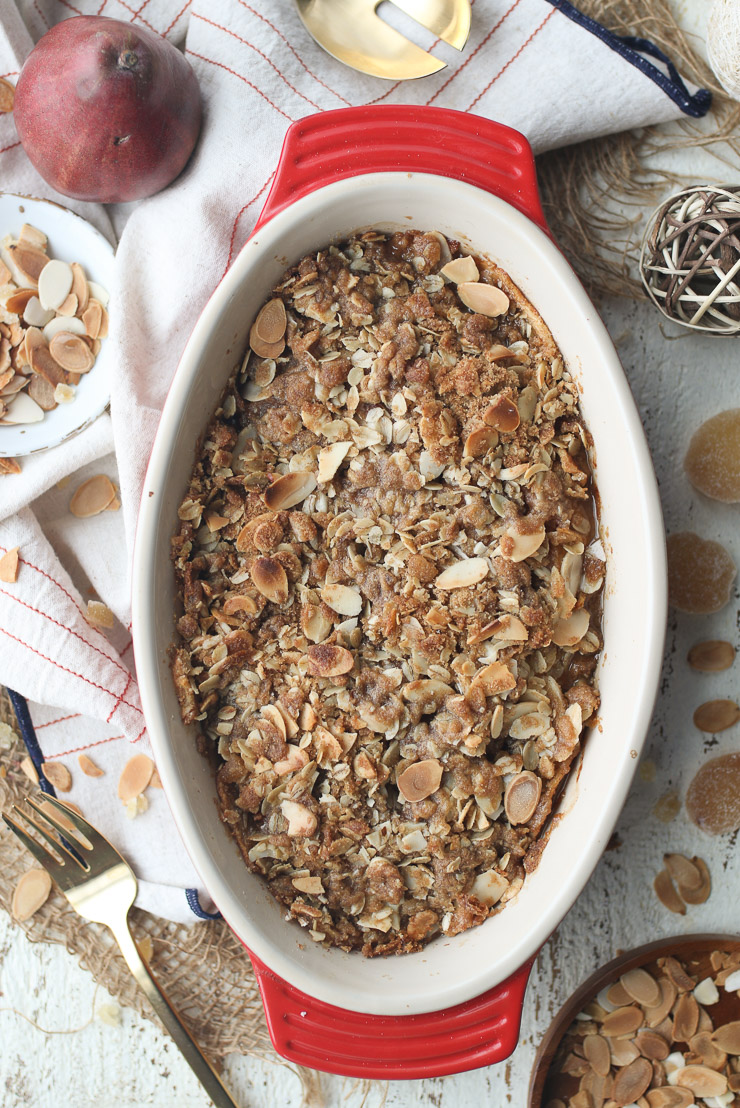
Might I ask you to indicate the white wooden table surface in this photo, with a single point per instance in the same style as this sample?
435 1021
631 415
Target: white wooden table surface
67 1057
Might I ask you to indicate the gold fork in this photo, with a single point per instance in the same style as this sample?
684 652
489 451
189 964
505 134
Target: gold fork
353 32
101 886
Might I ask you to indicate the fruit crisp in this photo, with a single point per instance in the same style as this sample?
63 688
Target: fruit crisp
390 591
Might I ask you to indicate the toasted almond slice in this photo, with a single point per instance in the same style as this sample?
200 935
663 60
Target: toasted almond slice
727 1037
9 566
271 322
291 727
314 624
265 349
667 894
685 1018
307 718
310 885
88 767
156 781
103 332
701 1080
502 414
215 522
301 820
461 270
72 352
289 490
716 715
326 660
135 777
29 261
55 283
35 314
479 442
495 678
632 1081
100 294
29 769
517 544
32 236
9 466
682 871
652 1045
420 779
99 614
711 1055
642 987
6 276
463 574
31 892
17 301
270 579
701 894
68 307
596 1051
342 599
569 631
669 1096
489 887
273 714
330 458
79 287
43 361
92 317
42 392
57 774
93 496
234 604
618 996
71 324
711 656
482 298
23 409
522 797
622 1021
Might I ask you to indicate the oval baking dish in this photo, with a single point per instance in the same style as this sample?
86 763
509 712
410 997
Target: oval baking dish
392 168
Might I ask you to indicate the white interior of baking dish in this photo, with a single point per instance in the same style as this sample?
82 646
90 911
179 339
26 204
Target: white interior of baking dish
453 970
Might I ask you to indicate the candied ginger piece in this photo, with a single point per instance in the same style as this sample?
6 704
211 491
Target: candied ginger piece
700 573
712 461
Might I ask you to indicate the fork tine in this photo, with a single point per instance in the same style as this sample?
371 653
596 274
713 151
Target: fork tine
46 835
39 852
40 807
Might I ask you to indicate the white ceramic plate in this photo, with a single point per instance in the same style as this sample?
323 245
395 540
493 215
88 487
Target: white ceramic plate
72 239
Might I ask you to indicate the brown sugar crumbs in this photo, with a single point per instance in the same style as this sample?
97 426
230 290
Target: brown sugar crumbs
390 583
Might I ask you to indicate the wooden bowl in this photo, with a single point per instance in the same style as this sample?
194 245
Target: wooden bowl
684 947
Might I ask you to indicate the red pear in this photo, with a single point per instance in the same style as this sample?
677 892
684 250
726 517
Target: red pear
107 111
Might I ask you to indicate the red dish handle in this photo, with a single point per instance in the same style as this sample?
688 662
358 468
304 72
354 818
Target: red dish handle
311 1033
348 142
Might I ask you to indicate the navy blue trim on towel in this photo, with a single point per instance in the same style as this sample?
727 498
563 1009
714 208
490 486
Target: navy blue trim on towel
191 895
28 735
634 50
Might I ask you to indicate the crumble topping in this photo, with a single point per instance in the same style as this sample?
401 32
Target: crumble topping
390 580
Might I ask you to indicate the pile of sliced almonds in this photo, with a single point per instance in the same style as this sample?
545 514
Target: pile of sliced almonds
683 881
52 321
652 1040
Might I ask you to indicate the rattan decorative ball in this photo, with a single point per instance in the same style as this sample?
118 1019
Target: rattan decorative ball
690 260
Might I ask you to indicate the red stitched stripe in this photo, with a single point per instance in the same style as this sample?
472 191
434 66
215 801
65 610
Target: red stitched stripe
470 57
177 17
77 749
56 622
241 78
38 9
238 217
114 709
71 7
51 722
256 49
11 147
512 59
134 13
140 735
294 52
102 7
59 665
13 73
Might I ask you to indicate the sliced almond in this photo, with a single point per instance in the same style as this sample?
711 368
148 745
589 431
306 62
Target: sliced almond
30 263
682 871
669 1096
326 660
522 797
642 987
632 1081
461 270
569 630
9 466
71 352
427 693
330 458
271 322
32 236
710 1053
701 893
343 599
99 293
270 579
502 414
518 544
291 727
479 442
618 996
44 363
701 1080
234 604
55 283
301 820
716 715
9 566
482 298
17 301
273 714
93 496
652 1045
685 1018
711 656
463 574
505 627
307 718
667 894
29 769
420 780
314 624
68 307
88 767
35 315
135 776
42 392
92 318
99 614
310 885
622 1021
727 1038
23 409
7 95
265 349
79 287
489 887
31 892
70 324
597 1053
289 490
57 774
495 678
